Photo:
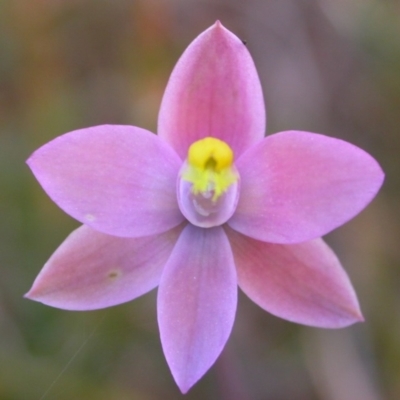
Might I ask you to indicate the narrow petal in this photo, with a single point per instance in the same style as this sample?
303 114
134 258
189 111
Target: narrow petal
92 270
120 180
196 303
215 91
303 282
297 186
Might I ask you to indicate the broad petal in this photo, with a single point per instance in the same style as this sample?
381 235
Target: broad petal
297 186
120 180
303 283
92 270
215 91
196 303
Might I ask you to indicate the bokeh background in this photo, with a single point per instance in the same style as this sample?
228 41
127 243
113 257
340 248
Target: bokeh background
328 66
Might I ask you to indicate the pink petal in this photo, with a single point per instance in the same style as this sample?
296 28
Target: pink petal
303 282
120 180
91 270
296 186
196 303
214 90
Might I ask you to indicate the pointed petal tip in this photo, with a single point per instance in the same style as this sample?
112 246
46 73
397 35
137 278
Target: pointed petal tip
27 296
348 317
30 160
354 316
346 324
358 316
33 295
185 388
380 177
219 28
185 382
30 294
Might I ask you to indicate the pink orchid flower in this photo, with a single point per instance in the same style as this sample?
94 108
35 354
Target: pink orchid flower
206 205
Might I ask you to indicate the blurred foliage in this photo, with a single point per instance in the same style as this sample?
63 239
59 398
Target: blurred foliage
325 65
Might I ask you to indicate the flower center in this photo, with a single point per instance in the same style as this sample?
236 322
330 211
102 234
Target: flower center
208 183
210 167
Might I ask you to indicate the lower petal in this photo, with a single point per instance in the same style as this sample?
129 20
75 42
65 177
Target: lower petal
92 270
303 283
196 303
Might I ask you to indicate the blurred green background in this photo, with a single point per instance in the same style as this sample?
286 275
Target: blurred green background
328 66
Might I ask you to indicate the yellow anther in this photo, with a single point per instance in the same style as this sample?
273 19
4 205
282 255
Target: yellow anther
210 153
210 167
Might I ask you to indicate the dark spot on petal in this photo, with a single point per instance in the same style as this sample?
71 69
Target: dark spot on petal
114 274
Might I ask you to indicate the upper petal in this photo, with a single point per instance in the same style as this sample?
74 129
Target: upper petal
296 186
120 180
92 270
196 302
214 90
303 282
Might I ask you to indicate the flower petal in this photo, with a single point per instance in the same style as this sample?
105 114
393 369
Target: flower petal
297 186
120 180
196 303
215 91
303 282
91 270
